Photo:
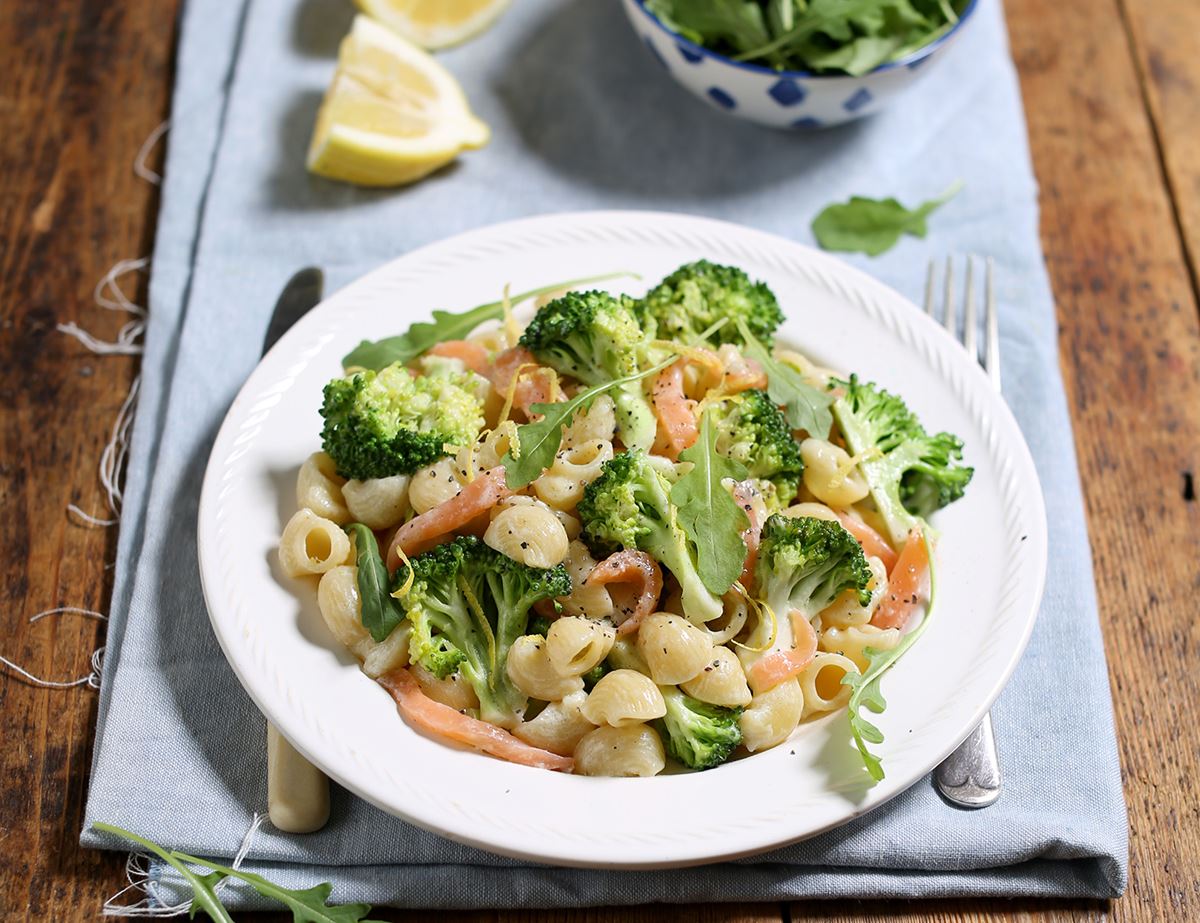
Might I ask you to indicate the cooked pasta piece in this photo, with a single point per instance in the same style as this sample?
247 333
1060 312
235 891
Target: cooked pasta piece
559 726
378 503
573 469
811 511
722 681
846 609
434 484
591 601
338 600
311 544
576 645
635 750
624 697
319 488
830 474
853 640
772 716
453 690
598 423
674 649
821 683
531 671
493 445
733 617
529 533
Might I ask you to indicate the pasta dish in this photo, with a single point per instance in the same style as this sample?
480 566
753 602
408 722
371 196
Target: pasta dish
634 534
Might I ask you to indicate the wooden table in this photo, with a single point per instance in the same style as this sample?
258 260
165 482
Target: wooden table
1112 91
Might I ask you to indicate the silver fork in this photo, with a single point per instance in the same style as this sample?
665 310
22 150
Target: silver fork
970 776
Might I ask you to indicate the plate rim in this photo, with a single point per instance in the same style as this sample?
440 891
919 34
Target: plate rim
843 280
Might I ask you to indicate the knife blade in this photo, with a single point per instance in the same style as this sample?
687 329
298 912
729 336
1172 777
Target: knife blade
301 294
297 791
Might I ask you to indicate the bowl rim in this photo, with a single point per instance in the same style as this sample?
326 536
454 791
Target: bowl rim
908 60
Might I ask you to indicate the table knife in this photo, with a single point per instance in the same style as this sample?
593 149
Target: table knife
297 791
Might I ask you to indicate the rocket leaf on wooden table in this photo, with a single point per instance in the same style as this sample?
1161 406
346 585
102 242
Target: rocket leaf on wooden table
446 325
709 515
874 226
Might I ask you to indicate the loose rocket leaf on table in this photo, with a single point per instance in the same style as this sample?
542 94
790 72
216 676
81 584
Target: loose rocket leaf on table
873 226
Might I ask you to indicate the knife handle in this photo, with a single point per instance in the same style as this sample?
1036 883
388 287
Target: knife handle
297 791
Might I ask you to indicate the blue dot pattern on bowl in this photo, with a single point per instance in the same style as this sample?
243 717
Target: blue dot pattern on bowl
858 100
787 92
807 122
692 57
654 51
721 98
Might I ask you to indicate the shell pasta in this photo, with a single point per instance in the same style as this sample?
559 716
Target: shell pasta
629 534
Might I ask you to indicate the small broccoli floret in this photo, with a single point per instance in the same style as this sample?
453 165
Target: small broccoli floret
699 735
467 605
595 674
911 474
697 295
595 338
755 432
805 563
629 506
378 424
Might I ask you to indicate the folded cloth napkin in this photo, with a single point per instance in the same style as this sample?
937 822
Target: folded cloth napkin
583 118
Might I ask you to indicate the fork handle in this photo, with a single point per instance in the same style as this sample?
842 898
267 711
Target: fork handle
297 791
970 776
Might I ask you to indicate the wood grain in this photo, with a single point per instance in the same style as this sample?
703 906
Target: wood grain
82 85
1166 41
1111 95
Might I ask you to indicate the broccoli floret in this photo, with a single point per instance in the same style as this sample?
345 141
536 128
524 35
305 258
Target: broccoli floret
538 625
699 735
595 674
378 424
595 337
697 295
629 506
755 432
467 605
911 474
805 563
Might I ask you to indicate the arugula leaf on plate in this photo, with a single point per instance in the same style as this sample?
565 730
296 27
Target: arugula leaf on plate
865 690
709 515
805 407
446 325
538 442
873 226
380 611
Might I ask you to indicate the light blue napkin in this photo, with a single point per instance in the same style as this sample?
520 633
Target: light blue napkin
583 118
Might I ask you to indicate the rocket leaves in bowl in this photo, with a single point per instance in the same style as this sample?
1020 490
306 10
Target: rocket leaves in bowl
822 36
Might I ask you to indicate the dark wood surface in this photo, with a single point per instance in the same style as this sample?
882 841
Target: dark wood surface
1112 93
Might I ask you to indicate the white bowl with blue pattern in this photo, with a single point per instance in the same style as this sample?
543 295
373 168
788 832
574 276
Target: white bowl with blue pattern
782 99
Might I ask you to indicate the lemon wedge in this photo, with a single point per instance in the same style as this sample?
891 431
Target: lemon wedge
391 115
435 23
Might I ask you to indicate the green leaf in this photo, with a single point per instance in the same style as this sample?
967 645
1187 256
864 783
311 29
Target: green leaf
739 23
538 442
446 326
873 226
204 896
381 613
307 906
709 515
805 407
865 687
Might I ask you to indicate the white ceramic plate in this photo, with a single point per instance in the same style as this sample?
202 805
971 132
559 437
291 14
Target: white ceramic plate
992 561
